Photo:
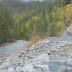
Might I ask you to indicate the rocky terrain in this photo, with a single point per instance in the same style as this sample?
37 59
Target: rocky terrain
43 56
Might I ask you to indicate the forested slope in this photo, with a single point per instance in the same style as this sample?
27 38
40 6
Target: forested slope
21 20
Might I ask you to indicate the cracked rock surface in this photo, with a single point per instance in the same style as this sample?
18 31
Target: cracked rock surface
43 56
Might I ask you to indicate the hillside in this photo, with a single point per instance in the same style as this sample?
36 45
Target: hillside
35 36
22 20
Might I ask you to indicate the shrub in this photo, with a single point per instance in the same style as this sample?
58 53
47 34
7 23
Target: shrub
59 26
11 40
70 28
33 40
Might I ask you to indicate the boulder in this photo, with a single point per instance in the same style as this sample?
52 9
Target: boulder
40 70
62 45
36 62
69 68
28 68
3 70
21 60
61 69
15 61
18 68
69 43
45 67
54 57
44 57
21 64
49 52
62 61
69 61
5 64
64 42
47 42
54 49
11 69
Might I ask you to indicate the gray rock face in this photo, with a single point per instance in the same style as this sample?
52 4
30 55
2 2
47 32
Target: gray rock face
28 68
69 61
5 64
54 57
45 67
62 69
15 61
38 58
3 70
49 52
44 57
69 68
18 68
47 41
11 69
40 70
36 62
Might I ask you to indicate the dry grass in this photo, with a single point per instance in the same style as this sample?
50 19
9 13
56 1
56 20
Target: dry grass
33 40
70 28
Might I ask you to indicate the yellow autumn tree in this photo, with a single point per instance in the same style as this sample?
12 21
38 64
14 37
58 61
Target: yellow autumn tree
59 25
68 12
31 25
